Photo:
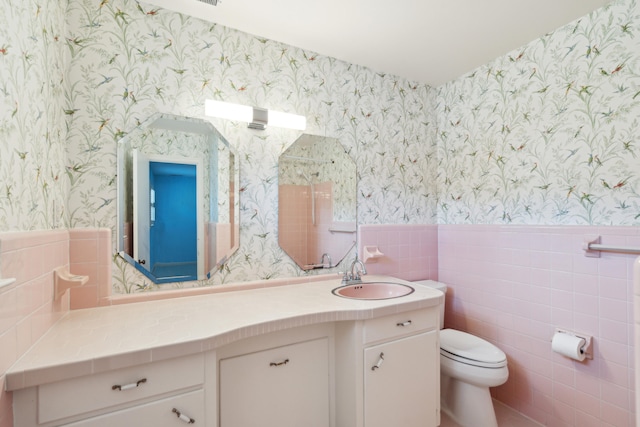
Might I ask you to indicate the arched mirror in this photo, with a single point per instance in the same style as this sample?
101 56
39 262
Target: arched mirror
177 199
316 202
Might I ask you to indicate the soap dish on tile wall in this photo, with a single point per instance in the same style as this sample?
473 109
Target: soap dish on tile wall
6 282
63 280
370 254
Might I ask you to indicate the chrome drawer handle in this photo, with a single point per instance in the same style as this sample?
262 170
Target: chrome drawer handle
406 323
284 362
128 386
183 417
380 362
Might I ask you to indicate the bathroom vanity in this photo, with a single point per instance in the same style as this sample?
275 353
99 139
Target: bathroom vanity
281 356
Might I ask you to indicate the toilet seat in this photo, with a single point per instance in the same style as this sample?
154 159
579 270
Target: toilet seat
471 350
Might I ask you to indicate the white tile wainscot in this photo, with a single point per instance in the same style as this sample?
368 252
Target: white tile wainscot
161 360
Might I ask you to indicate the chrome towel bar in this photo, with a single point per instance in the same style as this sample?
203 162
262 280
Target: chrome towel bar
592 247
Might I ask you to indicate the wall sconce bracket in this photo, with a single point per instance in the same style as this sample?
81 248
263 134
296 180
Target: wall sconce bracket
260 119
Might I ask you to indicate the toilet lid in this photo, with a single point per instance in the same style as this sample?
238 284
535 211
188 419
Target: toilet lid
468 348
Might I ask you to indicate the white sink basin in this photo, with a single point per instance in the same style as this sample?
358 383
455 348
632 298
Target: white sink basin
373 290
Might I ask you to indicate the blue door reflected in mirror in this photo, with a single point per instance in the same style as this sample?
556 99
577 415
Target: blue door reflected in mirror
173 232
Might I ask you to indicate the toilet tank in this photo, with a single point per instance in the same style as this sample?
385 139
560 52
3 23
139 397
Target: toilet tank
442 288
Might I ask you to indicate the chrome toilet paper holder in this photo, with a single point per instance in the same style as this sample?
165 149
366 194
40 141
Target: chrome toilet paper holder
587 348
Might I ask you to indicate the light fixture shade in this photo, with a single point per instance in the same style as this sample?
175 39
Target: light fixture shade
228 110
257 118
287 120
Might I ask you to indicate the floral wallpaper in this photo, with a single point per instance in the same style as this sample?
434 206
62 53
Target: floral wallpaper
129 60
547 134
33 176
542 135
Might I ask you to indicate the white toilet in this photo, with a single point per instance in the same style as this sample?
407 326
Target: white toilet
469 365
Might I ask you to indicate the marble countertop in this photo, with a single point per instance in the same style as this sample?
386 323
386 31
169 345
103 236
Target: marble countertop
95 340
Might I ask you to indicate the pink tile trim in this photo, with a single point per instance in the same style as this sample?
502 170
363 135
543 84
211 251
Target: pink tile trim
27 309
90 254
410 250
161 295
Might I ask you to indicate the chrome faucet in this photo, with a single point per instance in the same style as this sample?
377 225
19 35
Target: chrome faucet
354 271
328 257
355 276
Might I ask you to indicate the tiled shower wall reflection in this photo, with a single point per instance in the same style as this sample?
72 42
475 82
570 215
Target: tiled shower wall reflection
306 236
513 285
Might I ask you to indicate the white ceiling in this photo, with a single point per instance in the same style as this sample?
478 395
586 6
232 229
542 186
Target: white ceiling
429 41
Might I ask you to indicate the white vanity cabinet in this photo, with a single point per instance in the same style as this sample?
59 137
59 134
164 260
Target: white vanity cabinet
165 393
402 370
283 387
283 356
392 374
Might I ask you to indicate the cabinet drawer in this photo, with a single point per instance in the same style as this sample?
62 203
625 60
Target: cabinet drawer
94 392
157 414
400 324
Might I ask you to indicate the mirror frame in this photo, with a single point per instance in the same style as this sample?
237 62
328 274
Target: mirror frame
313 166
177 130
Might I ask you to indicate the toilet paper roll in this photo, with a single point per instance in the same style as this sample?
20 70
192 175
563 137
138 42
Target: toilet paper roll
568 345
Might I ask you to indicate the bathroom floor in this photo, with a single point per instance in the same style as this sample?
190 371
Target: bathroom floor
506 416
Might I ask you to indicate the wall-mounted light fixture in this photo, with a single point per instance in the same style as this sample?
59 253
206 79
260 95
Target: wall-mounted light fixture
257 118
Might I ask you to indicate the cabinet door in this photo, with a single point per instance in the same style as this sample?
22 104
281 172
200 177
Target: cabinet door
157 414
282 387
402 382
